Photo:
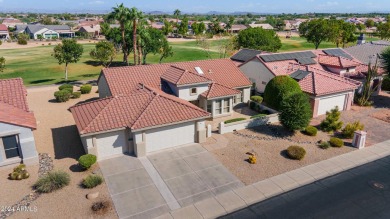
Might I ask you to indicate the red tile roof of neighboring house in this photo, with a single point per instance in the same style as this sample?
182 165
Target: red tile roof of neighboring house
337 61
179 76
13 104
3 27
145 108
124 80
218 90
320 82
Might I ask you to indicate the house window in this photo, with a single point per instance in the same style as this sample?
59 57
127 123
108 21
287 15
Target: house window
193 91
226 105
218 107
11 146
209 107
264 83
347 69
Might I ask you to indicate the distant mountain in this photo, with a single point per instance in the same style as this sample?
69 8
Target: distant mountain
156 12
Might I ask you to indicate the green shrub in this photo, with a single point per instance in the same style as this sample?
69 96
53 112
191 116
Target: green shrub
296 152
54 180
386 83
76 95
257 99
331 122
23 39
62 95
336 142
86 89
324 145
87 160
66 87
258 116
19 173
349 130
234 120
92 181
311 131
295 112
278 89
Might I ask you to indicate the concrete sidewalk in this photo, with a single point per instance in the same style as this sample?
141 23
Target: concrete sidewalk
242 197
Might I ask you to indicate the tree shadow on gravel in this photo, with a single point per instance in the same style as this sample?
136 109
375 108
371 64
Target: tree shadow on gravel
67 142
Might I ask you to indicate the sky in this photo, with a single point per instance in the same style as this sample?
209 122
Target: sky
203 6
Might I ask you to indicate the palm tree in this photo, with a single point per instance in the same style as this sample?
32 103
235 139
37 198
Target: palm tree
135 15
123 16
177 13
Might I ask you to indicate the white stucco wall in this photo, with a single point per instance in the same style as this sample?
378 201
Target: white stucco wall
246 94
341 71
257 73
110 144
104 90
169 136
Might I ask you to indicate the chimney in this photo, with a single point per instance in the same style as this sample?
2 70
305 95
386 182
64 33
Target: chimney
361 39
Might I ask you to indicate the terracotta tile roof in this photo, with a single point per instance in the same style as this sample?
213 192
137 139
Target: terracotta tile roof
179 76
3 27
13 104
320 82
143 108
337 61
124 80
218 90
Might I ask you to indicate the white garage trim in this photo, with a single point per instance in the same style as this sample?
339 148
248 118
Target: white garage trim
329 102
169 136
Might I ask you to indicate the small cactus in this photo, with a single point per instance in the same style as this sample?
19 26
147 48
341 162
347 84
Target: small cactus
252 159
19 173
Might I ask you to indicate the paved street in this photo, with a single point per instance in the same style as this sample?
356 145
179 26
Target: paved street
164 181
361 192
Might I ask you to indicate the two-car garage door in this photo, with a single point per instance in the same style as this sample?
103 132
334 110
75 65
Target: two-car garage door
330 102
170 136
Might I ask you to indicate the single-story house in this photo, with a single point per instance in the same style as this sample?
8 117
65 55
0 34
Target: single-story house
264 26
12 22
17 123
48 31
367 52
90 30
147 108
236 28
325 75
4 34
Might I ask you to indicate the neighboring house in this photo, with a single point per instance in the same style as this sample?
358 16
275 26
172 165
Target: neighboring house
91 30
16 124
264 26
367 52
12 22
323 74
4 34
157 25
48 31
236 28
244 55
152 107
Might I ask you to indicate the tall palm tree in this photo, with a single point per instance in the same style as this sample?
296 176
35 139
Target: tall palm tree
122 15
177 13
135 15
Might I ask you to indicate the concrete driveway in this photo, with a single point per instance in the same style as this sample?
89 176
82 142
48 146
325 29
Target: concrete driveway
164 181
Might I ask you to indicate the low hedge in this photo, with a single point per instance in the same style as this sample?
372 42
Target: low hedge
66 87
234 120
76 95
349 130
86 89
62 95
324 145
296 152
92 181
87 160
311 131
258 116
257 99
336 142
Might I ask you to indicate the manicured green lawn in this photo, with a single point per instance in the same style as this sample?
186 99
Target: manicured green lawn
37 67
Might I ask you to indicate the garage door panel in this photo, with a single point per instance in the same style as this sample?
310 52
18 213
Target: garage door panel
328 103
110 144
170 136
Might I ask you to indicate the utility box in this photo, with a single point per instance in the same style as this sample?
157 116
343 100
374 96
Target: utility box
359 139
